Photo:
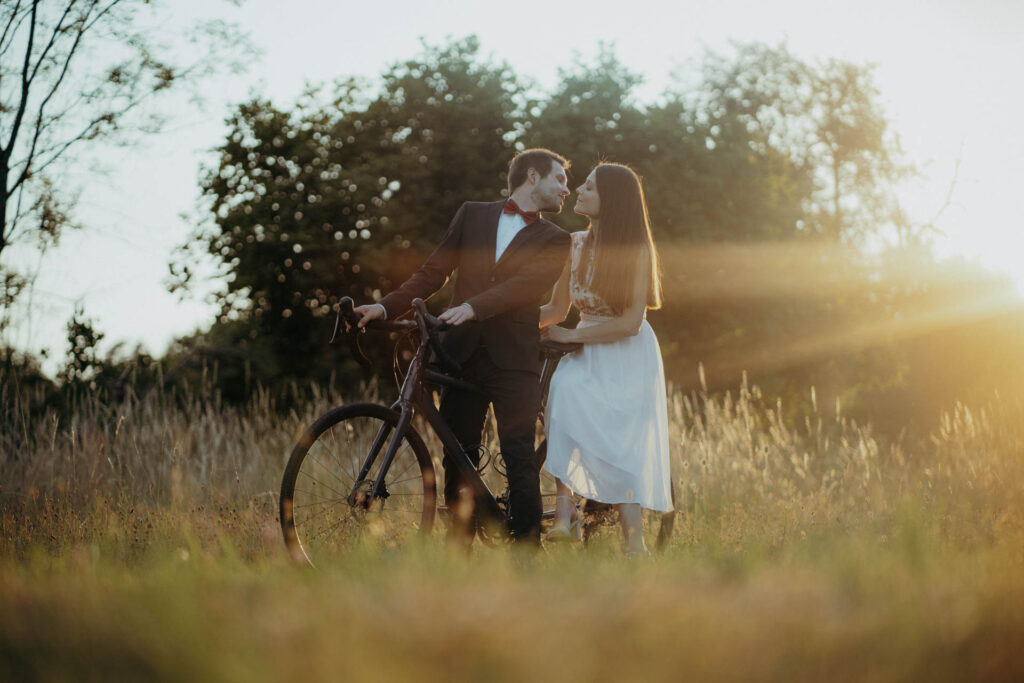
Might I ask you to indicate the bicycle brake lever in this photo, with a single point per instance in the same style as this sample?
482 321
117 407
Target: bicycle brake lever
337 326
347 317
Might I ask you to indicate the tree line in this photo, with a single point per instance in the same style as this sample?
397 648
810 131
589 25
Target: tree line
770 183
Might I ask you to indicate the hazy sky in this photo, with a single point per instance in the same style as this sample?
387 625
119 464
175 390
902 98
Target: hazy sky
948 70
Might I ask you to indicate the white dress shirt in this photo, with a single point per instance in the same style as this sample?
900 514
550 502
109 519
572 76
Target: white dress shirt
509 225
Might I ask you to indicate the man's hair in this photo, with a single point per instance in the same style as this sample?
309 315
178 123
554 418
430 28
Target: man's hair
538 159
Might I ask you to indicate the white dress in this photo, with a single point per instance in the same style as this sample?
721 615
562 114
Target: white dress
606 417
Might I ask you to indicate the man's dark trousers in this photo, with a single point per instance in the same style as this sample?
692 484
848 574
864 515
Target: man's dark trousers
515 395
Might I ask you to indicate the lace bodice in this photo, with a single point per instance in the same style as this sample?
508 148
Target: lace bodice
580 272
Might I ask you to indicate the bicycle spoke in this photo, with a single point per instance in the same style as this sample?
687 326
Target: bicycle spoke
392 483
317 494
330 529
365 445
351 469
407 467
308 520
328 467
333 471
325 501
331 503
310 476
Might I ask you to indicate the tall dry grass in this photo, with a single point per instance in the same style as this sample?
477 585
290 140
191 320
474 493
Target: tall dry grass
731 454
141 543
160 449
737 453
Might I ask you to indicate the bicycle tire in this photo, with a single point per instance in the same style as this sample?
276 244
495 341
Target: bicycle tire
323 506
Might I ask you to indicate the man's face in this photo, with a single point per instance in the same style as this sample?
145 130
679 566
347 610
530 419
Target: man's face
551 190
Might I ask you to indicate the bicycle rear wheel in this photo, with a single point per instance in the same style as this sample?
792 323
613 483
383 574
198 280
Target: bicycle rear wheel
325 491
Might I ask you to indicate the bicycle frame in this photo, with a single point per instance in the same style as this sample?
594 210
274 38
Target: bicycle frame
414 398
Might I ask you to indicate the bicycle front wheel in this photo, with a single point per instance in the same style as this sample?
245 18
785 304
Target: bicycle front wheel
326 502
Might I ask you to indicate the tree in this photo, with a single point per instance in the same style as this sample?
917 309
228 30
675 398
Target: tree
826 117
704 181
84 363
74 74
345 198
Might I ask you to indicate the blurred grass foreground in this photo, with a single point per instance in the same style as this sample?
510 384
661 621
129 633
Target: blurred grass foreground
142 543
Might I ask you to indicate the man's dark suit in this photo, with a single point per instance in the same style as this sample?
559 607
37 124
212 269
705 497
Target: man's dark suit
499 350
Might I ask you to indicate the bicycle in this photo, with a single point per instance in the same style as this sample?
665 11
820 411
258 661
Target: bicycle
362 471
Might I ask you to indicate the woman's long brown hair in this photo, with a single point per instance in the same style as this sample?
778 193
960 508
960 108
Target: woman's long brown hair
624 228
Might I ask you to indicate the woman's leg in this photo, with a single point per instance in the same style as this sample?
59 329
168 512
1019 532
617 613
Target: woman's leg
565 525
631 518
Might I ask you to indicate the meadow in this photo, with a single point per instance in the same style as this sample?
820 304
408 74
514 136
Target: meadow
142 543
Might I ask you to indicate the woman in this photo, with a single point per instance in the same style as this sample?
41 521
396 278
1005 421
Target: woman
606 414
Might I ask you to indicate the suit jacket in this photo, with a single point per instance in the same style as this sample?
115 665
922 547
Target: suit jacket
505 295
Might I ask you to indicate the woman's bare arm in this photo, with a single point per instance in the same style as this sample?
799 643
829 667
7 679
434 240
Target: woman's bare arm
556 310
626 325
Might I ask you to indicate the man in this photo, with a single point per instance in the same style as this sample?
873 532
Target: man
507 256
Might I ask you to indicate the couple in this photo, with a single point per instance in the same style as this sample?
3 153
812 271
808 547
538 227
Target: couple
606 420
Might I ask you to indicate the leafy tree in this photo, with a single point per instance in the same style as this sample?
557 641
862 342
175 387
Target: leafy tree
826 118
445 123
347 199
704 181
83 356
591 116
713 183
108 379
789 166
718 182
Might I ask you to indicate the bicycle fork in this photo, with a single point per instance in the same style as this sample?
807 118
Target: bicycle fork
406 407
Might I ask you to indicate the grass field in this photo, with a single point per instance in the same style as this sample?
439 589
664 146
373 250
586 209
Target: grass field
143 544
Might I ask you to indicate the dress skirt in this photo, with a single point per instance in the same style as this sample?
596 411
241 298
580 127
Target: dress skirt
607 421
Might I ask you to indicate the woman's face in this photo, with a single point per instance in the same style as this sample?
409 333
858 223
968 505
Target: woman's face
587 202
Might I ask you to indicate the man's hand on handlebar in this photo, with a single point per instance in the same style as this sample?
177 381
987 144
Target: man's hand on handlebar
369 312
458 315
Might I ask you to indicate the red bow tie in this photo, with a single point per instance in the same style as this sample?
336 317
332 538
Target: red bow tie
528 216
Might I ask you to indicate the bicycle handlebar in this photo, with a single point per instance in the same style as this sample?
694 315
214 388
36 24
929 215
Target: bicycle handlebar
347 314
428 325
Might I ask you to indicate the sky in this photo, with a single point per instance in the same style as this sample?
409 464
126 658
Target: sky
948 73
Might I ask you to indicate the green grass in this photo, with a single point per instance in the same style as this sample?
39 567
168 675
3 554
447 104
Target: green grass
144 545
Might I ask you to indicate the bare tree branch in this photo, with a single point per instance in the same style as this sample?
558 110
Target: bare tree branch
102 13
59 98
5 153
15 233
17 215
12 27
57 30
949 194
56 86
